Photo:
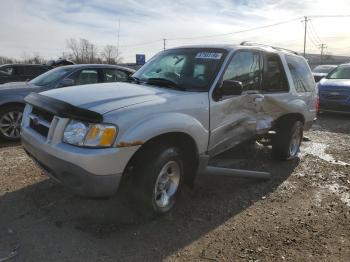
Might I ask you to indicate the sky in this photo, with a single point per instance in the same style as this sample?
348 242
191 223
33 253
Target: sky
43 26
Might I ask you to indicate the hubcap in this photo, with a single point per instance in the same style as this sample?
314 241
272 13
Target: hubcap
167 184
295 142
10 124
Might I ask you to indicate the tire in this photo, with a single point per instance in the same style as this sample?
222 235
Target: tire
287 140
10 122
156 180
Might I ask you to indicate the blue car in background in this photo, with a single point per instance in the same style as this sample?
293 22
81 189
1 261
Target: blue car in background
334 90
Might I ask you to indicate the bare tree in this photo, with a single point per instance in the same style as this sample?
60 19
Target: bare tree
6 60
110 55
83 51
73 46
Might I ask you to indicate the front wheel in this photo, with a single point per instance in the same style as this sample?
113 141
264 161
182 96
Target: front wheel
157 180
10 122
286 142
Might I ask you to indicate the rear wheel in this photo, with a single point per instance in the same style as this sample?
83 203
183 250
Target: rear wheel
287 140
10 122
156 180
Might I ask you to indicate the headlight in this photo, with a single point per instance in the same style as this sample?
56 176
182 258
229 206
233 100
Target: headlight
90 135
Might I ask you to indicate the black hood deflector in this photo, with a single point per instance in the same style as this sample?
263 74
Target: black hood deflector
63 109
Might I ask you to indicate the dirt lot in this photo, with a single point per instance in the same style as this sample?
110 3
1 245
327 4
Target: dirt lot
301 214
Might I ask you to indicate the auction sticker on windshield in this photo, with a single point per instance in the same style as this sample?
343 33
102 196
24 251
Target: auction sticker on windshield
209 55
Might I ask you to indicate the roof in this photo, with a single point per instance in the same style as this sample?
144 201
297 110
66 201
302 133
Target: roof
243 45
99 66
41 65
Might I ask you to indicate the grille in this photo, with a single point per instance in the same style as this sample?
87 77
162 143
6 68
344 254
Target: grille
47 116
336 97
40 121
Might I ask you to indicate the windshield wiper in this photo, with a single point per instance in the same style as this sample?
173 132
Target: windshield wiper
164 82
134 79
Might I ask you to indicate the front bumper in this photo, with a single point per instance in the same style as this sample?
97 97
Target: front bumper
85 172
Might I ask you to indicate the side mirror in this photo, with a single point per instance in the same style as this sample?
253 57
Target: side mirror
231 88
66 82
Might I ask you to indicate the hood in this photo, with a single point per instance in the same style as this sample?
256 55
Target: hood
319 74
334 83
103 98
17 88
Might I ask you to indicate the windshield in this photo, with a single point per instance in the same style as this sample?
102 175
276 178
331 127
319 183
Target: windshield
51 76
187 68
341 72
323 69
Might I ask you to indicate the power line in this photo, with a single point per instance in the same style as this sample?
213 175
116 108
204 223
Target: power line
329 16
232 33
314 30
312 39
144 43
236 32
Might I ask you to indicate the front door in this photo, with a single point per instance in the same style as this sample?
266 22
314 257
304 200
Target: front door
233 119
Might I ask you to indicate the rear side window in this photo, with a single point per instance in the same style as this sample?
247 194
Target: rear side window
8 70
85 76
114 75
301 74
274 77
34 70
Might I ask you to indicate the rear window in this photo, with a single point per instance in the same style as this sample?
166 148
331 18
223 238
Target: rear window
34 70
301 74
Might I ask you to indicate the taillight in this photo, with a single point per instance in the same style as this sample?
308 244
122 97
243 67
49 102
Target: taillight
317 104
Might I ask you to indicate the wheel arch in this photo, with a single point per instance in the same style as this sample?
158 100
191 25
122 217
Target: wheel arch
287 118
4 105
182 140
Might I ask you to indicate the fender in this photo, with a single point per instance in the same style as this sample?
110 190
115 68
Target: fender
6 99
162 123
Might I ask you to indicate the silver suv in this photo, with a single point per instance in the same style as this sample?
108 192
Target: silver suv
185 106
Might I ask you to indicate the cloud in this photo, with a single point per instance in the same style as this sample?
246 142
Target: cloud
43 26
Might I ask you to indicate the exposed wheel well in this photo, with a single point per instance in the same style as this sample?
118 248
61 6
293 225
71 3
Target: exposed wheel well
11 104
183 141
288 118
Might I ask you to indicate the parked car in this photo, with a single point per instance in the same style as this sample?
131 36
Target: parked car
20 72
59 62
186 105
12 94
334 90
321 71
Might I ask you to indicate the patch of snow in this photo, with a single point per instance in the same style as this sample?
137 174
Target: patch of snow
319 150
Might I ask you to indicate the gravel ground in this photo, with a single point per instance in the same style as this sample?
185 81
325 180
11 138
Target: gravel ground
301 214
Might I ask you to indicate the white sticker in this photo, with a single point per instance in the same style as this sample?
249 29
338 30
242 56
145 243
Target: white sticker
209 55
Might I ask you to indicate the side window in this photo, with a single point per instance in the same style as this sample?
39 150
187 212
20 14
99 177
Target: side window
33 70
85 76
245 67
114 75
274 77
301 74
8 70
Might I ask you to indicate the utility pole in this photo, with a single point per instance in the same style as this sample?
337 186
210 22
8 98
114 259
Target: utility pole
164 43
322 47
118 40
305 21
